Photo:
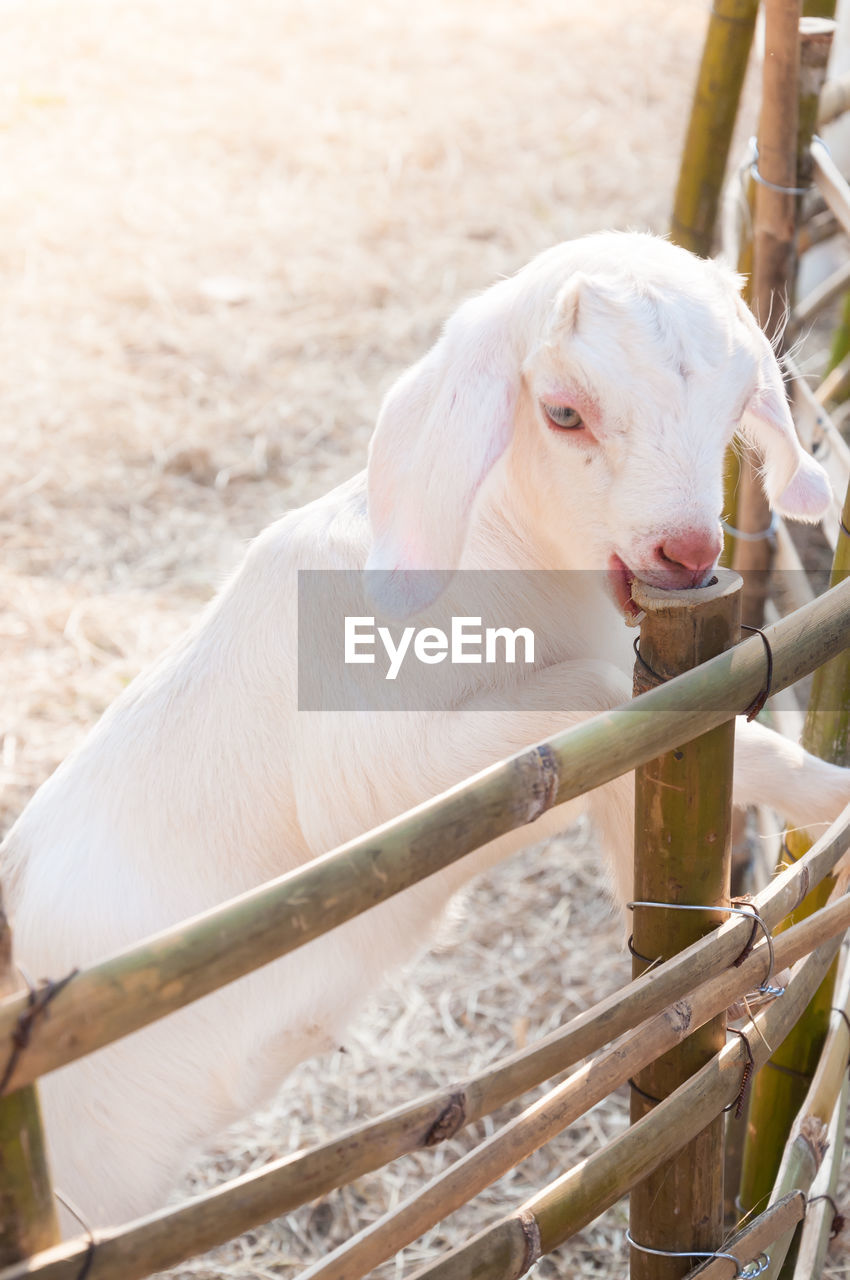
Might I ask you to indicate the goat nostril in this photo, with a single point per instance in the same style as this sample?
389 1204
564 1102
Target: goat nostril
695 552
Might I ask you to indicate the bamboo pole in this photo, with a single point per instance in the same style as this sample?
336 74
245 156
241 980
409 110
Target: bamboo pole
747 1244
166 1238
831 183
778 1092
817 1227
821 296
125 992
512 1246
683 828
774 232
834 99
806 1147
27 1214
711 124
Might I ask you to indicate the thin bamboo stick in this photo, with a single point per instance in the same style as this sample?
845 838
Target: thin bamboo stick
773 272
512 1246
817 229
806 1146
166 1238
821 296
712 121
27 1214
834 99
683 828
795 583
747 1244
823 427
817 1227
833 390
164 973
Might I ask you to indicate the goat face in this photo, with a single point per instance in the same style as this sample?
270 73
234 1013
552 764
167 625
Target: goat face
591 398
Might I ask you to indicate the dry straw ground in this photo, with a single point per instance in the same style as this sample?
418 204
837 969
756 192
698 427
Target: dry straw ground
224 228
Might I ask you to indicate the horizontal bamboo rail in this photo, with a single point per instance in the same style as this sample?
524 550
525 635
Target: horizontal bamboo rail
746 1244
155 977
512 1246
169 1236
541 1122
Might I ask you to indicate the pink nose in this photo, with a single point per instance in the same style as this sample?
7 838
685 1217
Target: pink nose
694 549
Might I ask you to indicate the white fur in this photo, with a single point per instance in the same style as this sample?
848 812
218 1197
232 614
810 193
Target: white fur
204 780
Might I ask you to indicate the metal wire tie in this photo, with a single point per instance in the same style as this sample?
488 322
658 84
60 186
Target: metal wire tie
756 1267
746 909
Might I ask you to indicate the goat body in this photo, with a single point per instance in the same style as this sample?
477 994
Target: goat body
572 417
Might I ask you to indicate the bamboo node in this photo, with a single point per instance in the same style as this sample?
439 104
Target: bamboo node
544 788
38 1000
813 1132
451 1118
533 1245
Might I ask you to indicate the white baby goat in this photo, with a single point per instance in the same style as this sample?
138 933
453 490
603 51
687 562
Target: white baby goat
574 416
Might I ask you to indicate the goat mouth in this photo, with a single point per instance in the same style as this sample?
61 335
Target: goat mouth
621 577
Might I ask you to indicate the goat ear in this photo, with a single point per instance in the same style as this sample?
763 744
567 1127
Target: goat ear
796 486
440 430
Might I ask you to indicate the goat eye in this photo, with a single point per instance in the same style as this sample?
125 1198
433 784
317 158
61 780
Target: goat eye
563 417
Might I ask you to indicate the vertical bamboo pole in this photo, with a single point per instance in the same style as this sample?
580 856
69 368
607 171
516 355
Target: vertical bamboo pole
775 223
683 805
27 1213
819 8
780 1089
712 121
815 43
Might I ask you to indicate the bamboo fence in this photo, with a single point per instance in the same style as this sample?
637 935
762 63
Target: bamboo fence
145 982
95 1007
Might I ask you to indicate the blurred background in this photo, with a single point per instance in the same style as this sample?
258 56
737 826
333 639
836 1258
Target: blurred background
225 227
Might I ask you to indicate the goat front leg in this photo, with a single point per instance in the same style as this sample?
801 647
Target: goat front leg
431 752
773 770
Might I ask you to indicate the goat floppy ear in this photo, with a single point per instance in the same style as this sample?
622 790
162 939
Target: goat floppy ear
796 486
440 430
